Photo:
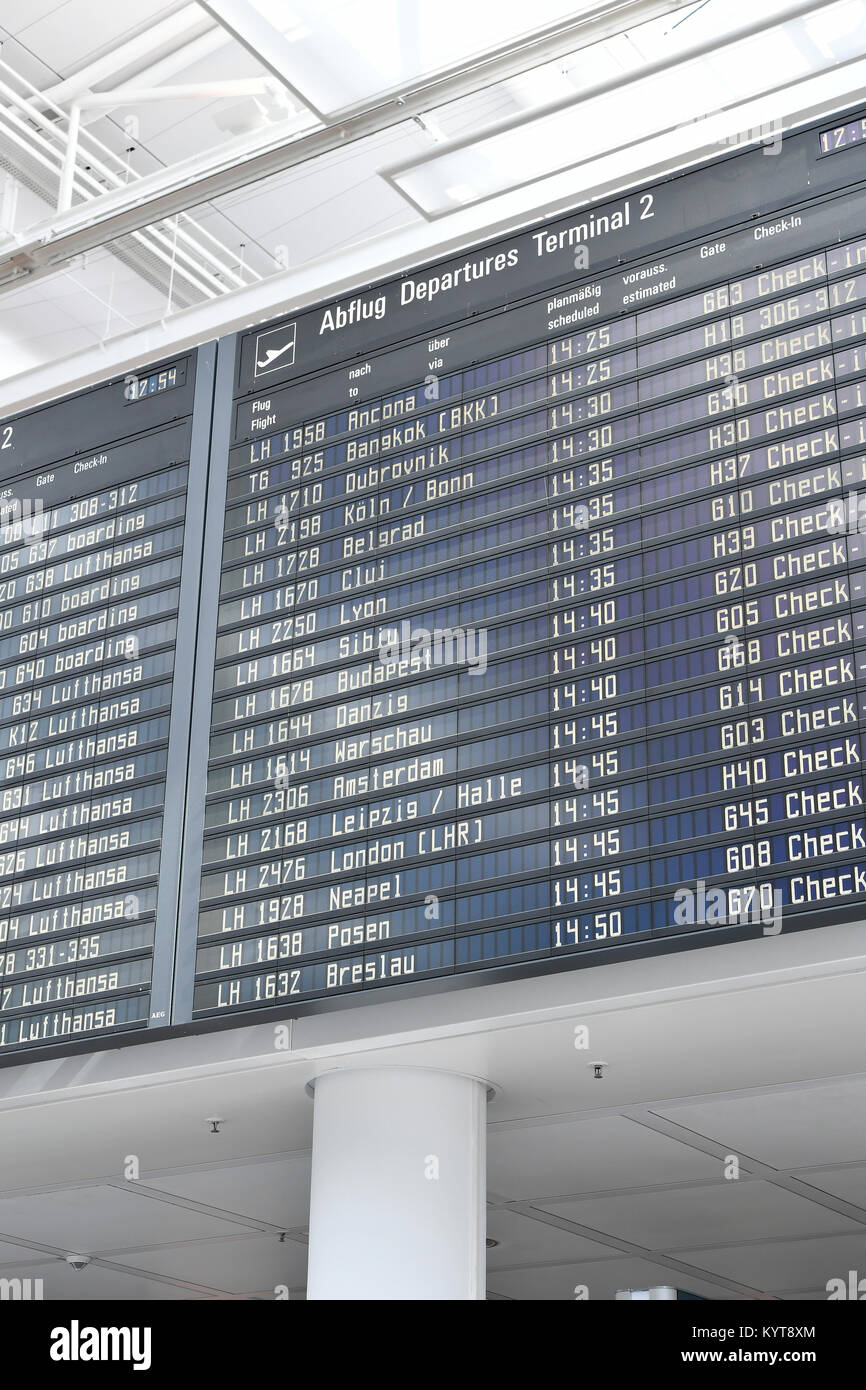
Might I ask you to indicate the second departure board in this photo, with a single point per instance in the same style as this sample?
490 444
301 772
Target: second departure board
542 607
95 551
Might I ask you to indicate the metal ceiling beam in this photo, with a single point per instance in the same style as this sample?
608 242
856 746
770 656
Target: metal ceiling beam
705 48
495 65
237 165
266 44
337 273
178 28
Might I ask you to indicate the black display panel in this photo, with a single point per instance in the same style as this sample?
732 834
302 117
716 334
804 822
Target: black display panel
94 549
541 627
505 617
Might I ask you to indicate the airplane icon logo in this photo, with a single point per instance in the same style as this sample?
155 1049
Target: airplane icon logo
275 349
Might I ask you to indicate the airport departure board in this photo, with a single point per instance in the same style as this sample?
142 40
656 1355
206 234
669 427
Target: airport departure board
94 512
502 617
542 612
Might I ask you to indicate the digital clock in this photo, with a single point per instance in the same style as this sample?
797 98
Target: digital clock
841 137
136 388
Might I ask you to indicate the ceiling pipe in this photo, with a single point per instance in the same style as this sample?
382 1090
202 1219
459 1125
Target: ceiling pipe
125 55
187 184
187 91
369 261
195 181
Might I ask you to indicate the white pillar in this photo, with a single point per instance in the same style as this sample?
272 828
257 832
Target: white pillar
397 1208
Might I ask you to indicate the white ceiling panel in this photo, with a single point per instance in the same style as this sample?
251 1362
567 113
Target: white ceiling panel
35 318
523 1241
588 1156
277 1192
228 62
11 1256
24 60
18 356
18 15
344 214
786 1264
235 1266
101 1218
390 42
175 129
731 1211
847 1183
789 1129
96 1283
77 31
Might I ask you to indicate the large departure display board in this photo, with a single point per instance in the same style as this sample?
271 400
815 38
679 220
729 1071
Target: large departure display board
542 609
94 548
502 617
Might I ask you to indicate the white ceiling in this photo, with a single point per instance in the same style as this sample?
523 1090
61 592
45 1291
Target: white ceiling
336 55
742 1052
609 1202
